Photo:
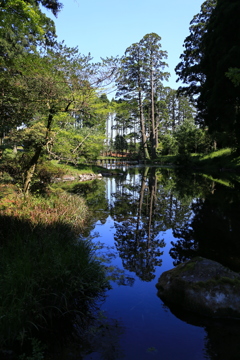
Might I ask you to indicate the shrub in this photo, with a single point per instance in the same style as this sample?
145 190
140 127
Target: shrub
47 172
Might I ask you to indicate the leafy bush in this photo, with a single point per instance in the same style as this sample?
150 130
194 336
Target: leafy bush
5 177
47 172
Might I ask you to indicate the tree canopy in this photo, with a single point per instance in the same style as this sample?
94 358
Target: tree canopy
219 102
189 69
50 92
210 67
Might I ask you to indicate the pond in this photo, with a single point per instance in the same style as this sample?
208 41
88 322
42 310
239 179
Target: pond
147 221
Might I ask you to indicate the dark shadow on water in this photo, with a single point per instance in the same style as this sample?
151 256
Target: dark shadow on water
222 339
213 232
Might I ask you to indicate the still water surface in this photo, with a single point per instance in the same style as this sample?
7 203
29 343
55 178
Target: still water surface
149 220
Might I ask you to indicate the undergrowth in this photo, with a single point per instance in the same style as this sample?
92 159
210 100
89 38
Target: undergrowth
49 278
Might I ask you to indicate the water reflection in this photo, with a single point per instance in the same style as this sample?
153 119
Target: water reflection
155 219
213 231
137 228
222 336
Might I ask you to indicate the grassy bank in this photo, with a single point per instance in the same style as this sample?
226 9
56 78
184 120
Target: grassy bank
221 160
82 169
49 279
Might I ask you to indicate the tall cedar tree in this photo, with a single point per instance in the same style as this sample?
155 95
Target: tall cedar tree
139 77
153 66
131 84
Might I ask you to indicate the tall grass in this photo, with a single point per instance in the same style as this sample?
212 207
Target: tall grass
57 208
48 276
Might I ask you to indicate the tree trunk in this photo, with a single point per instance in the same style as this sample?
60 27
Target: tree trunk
152 190
15 148
30 171
141 197
153 126
143 132
34 160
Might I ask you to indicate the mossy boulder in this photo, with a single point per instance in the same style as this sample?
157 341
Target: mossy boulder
201 286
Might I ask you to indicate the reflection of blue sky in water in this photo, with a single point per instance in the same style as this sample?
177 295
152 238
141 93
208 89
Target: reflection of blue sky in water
151 330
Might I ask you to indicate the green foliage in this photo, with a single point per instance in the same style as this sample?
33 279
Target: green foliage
190 138
218 154
220 160
29 137
189 70
37 351
169 144
120 143
45 174
5 178
61 111
219 98
184 160
73 145
24 25
234 75
210 67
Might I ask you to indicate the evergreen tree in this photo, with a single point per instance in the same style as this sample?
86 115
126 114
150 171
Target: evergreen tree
131 85
210 67
189 70
153 67
179 108
219 100
140 75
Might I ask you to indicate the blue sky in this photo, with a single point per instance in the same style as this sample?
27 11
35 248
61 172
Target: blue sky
106 28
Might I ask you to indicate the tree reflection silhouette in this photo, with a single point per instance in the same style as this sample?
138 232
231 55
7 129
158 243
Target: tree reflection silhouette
137 226
213 231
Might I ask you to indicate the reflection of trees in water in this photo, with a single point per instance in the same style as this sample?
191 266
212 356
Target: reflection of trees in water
94 193
138 254
142 210
222 335
222 340
137 232
213 232
204 217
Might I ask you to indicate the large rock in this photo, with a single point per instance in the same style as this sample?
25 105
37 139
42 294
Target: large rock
79 177
202 286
